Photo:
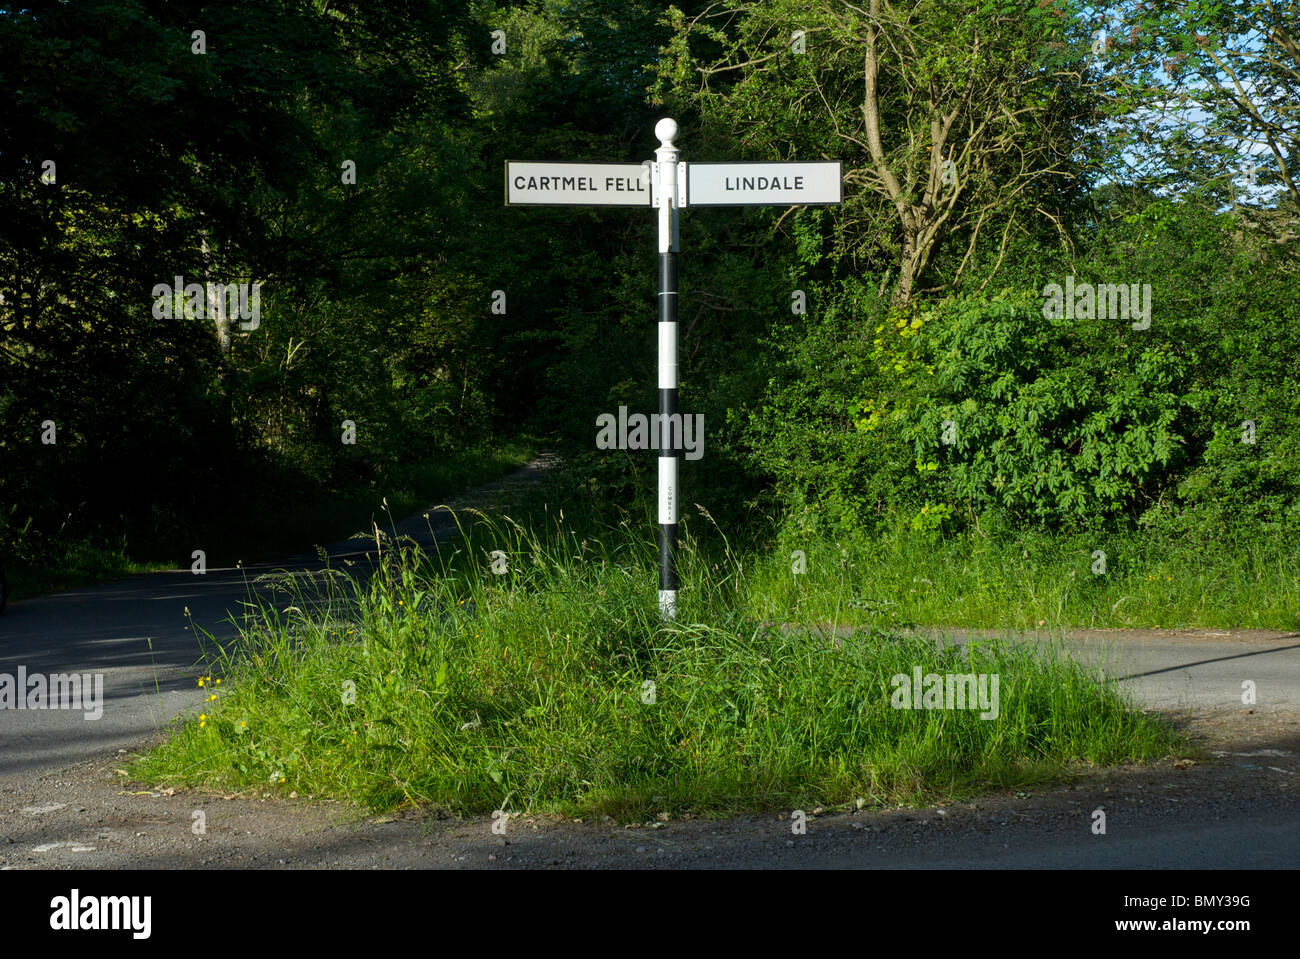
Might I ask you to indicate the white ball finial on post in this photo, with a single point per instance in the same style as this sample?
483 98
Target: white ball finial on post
665 130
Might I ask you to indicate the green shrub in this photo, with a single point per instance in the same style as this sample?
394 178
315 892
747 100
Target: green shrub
1057 422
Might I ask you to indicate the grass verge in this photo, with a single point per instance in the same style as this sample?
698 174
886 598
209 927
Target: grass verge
1029 579
553 687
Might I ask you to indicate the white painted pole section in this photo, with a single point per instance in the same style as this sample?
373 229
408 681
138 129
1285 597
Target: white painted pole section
667 489
666 155
667 355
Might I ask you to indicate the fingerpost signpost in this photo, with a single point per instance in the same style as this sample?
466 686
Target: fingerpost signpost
670 186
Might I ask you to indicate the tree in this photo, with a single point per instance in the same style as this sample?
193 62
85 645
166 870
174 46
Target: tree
208 156
1204 95
949 118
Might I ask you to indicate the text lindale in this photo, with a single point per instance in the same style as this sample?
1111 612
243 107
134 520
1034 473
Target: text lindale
763 183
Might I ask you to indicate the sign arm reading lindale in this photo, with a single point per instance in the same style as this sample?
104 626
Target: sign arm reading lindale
668 186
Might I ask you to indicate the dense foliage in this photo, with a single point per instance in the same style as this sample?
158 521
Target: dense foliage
923 384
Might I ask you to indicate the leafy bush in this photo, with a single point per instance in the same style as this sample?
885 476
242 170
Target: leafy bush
1059 422
814 434
946 411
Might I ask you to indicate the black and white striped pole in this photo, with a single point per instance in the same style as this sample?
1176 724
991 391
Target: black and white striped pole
669 455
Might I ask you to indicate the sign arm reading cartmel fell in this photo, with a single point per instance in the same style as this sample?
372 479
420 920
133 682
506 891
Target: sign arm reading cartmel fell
669 185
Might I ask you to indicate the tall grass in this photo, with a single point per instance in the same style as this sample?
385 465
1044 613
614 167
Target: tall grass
1021 580
553 686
